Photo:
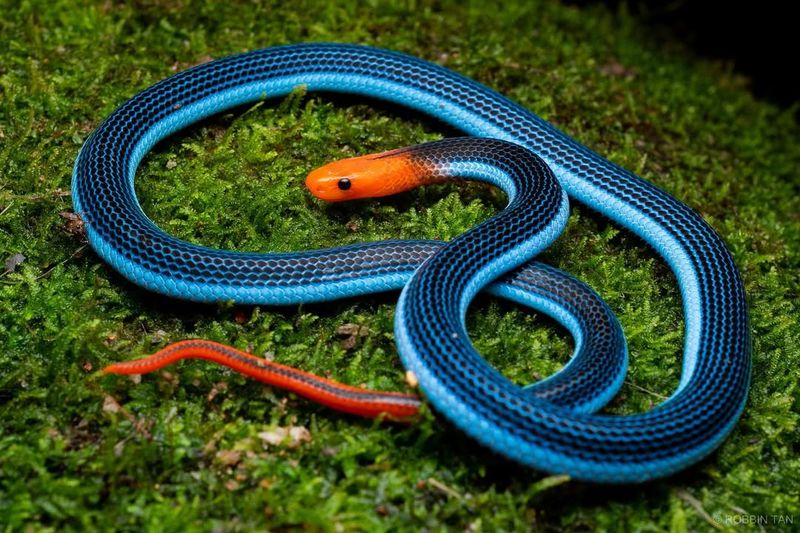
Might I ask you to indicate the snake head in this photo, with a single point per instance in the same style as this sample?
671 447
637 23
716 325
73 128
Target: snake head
368 176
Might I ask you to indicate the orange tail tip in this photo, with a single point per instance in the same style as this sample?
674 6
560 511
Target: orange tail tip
368 176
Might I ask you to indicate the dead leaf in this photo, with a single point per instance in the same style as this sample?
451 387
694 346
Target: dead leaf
158 336
216 389
119 448
299 434
229 457
347 330
351 333
73 224
618 70
349 343
292 436
110 405
13 262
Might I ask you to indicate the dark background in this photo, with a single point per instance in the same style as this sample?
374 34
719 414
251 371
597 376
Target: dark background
759 38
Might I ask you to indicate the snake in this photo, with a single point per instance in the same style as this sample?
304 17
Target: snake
599 362
430 330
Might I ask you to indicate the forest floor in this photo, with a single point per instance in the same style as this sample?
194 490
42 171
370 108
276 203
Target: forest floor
189 448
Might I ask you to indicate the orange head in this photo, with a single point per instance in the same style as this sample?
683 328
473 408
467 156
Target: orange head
367 176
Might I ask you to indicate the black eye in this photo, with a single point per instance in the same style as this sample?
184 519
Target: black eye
344 184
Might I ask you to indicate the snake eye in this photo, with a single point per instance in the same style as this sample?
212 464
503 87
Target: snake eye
344 184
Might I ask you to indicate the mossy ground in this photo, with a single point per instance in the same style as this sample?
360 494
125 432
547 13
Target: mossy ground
181 449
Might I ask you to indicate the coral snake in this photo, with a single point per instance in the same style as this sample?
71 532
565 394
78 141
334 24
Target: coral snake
551 425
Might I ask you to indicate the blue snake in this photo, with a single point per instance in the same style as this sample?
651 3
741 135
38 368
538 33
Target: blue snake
553 435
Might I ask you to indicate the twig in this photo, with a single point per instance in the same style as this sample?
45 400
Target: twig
3 212
435 483
57 193
657 395
76 252
698 506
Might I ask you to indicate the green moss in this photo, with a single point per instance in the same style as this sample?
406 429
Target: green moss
82 452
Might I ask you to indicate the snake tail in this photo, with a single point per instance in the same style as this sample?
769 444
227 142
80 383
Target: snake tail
344 398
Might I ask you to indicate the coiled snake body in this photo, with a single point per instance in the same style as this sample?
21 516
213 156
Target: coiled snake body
555 434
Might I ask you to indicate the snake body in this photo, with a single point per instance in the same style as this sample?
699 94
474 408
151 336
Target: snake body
432 340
